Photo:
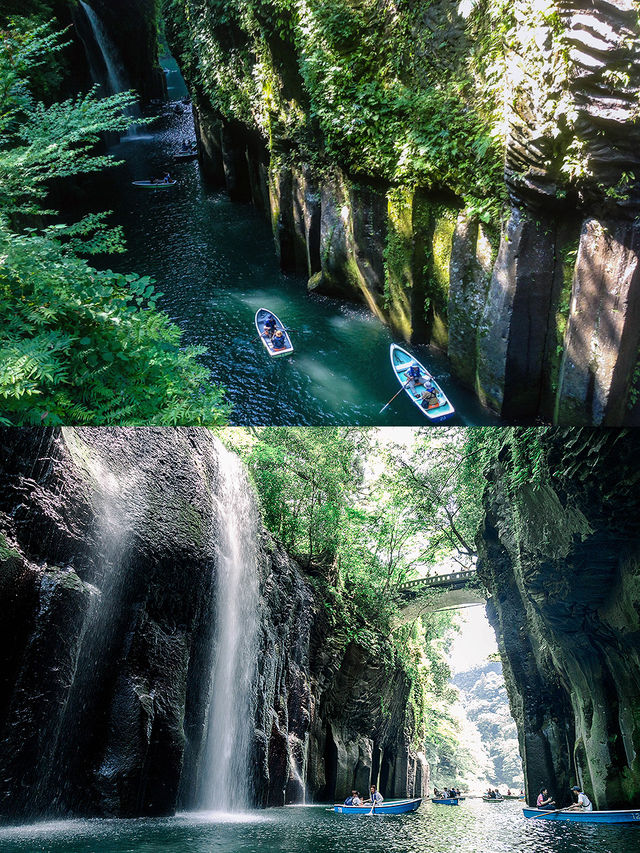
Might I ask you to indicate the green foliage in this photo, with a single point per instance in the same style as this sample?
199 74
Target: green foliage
304 478
487 707
393 93
363 516
78 345
82 346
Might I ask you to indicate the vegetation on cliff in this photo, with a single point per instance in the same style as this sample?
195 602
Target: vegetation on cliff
79 345
358 82
484 698
363 514
343 505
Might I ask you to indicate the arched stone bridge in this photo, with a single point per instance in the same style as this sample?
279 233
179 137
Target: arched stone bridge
440 592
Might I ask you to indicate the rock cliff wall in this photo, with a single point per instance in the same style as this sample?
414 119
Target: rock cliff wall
132 28
107 577
561 559
469 173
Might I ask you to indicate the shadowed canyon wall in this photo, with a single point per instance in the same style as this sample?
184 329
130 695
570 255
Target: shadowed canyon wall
469 172
560 555
108 559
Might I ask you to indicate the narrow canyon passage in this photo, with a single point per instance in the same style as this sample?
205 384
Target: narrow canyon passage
215 263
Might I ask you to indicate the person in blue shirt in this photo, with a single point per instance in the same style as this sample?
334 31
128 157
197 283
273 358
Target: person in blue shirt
350 800
429 399
278 340
414 376
270 326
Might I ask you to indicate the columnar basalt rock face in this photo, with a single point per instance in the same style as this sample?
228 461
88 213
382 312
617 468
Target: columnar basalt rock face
603 331
572 146
562 562
107 580
568 77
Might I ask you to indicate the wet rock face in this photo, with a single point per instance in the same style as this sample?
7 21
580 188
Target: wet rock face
575 74
531 344
562 563
116 568
133 28
107 584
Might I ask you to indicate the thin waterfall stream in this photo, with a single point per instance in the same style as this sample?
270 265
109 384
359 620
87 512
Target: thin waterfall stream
116 77
225 783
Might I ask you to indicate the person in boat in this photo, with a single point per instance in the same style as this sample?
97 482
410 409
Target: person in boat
278 340
584 804
270 326
414 375
429 395
545 800
167 178
350 800
375 797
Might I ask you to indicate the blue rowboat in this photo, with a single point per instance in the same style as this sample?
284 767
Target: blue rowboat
445 801
261 318
154 185
620 816
388 807
439 408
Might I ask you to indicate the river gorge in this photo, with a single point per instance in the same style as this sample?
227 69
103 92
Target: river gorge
163 653
401 561
467 174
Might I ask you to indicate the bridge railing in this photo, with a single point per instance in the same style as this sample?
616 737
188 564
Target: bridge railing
438 580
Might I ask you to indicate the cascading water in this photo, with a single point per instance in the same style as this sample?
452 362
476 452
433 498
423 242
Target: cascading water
224 779
115 76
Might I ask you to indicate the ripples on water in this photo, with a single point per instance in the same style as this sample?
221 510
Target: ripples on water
215 262
472 827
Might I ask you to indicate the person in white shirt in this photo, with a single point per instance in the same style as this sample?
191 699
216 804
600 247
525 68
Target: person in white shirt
375 797
584 804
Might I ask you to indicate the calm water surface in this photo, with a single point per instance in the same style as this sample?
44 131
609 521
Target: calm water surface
215 262
472 827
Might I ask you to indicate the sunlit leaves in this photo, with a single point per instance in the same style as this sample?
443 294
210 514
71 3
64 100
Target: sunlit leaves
77 345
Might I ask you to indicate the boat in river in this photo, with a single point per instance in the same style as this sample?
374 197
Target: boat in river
388 807
261 318
182 156
154 185
439 408
445 801
618 816
493 799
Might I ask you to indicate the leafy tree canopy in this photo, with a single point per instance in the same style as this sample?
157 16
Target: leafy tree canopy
78 345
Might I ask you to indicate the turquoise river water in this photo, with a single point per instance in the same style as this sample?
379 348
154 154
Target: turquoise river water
472 827
215 263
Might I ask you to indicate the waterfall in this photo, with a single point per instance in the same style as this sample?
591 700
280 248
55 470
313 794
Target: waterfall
116 78
225 784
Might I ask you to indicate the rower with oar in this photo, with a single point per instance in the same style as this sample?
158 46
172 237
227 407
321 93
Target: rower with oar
375 798
386 406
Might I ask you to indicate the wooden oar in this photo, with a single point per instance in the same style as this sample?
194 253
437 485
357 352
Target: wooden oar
394 397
